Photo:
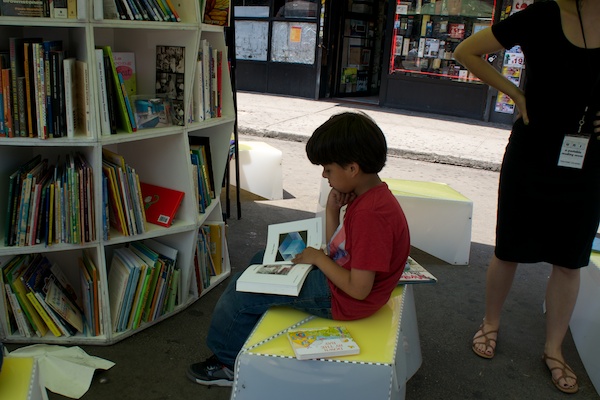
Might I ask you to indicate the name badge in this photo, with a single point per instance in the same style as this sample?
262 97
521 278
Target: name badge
572 152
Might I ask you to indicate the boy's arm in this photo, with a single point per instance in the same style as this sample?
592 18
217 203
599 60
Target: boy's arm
335 201
355 283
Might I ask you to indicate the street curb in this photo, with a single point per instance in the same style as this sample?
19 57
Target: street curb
395 152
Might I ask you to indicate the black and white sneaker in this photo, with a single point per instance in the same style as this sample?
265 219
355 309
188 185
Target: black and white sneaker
210 372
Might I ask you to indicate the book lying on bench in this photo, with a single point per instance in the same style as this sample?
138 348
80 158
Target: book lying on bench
327 342
415 273
277 274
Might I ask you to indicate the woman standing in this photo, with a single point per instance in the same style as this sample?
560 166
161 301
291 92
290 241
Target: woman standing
549 191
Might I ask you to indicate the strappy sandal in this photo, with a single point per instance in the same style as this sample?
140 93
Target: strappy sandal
564 368
487 343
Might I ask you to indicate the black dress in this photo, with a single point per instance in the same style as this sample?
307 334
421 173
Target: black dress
546 212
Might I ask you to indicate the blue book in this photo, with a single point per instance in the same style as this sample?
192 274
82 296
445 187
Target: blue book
596 245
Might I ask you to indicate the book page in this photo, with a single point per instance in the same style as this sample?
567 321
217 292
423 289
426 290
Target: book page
286 240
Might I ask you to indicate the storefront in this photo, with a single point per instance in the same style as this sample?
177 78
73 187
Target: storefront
422 74
396 53
277 46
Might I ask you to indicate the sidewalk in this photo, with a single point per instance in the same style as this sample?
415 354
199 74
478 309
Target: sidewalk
421 136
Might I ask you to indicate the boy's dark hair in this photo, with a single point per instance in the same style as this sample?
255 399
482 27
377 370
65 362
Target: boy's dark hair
346 138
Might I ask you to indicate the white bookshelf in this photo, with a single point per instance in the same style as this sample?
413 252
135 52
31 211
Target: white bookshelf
160 156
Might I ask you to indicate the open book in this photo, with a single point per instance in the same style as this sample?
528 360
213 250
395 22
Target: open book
277 274
415 273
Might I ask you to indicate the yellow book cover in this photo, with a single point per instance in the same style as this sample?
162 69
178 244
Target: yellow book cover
217 232
36 304
19 289
17 378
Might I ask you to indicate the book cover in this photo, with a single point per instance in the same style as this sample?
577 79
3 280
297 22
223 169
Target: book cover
22 8
29 70
123 92
59 122
277 274
415 273
125 64
124 119
118 281
17 70
60 9
50 46
39 85
161 204
83 121
216 12
170 79
111 99
7 103
326 342
19 379
206 79
216 240
204 143
63 306
168 257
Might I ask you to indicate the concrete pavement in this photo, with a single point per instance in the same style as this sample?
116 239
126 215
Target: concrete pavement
425 137
151 364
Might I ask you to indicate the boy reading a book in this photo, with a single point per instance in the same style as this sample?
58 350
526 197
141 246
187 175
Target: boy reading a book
366 250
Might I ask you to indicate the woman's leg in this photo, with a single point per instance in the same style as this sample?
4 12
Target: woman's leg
499 278
561 296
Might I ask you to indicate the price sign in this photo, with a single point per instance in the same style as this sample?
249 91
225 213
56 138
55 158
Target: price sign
514 58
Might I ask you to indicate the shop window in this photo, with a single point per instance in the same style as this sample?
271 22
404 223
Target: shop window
293 42
251 40
426 33
290 25
296 9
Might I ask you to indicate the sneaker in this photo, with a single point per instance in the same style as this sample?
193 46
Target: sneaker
210 372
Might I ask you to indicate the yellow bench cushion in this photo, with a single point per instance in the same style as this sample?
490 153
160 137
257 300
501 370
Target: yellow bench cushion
434 190
377 335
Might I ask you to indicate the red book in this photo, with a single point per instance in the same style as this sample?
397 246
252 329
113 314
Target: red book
161 204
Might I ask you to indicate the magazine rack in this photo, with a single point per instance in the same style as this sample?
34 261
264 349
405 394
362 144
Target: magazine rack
390 355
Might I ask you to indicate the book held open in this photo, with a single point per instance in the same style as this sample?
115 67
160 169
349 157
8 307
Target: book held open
277 274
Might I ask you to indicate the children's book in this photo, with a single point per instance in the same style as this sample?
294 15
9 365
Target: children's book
415 273
277 274
326 342
125 65
161 204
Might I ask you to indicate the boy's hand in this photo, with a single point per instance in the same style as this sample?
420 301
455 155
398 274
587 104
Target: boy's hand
310 255
337 200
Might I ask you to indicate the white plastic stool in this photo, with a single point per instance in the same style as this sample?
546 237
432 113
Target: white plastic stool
260 169
390 353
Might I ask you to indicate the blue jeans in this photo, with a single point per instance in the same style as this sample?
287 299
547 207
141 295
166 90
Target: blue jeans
236 313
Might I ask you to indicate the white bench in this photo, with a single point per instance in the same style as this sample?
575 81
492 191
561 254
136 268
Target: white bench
260 169
585 321
390 354
439 217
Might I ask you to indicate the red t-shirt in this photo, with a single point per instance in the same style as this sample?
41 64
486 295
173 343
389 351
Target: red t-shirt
374 236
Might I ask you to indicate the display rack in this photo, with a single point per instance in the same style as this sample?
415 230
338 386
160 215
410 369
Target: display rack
426 33
160 156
